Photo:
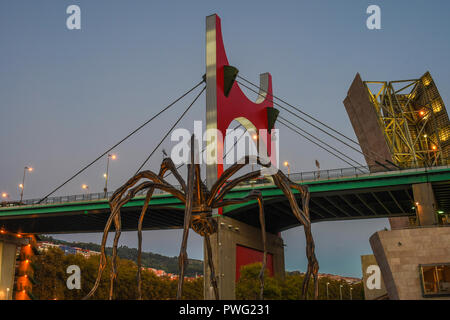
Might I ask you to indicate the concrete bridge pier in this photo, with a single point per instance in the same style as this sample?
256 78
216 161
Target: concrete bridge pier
402 251
236 244
8 250
426 208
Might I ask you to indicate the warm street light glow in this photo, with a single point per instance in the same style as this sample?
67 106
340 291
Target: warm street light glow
84 186
417 203
106 175
22 185
255 137
286 164
433 147
4 195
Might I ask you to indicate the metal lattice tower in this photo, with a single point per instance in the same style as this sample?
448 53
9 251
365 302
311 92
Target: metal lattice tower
411 115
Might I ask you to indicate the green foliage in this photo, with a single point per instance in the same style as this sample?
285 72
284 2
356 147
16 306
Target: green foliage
249 286
149 260
51 279
290 287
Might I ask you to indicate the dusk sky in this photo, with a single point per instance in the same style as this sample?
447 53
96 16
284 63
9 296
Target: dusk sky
68 95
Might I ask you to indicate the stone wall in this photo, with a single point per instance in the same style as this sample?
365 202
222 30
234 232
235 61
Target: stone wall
400 252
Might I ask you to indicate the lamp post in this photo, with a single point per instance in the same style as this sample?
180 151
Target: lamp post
5 196
255 138
85 187
286 164
106 175
22 185
340 291
327 291
351 289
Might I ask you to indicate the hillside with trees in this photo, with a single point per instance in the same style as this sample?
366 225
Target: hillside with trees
50 277
50 282
149 259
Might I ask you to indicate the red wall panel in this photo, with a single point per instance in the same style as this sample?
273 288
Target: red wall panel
245 256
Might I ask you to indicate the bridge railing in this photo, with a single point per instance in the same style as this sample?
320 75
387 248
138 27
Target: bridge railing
297 177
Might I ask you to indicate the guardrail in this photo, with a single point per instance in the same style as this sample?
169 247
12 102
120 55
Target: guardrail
302 177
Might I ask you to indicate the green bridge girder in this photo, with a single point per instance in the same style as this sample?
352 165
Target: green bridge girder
379 195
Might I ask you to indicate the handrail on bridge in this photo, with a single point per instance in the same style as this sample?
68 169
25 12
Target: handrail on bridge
301 177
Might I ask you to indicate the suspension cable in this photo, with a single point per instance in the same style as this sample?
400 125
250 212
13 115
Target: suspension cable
321 141
170 130
303 119
300 111
320 146
121 141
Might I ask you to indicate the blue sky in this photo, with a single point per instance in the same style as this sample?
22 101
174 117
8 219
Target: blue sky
65 96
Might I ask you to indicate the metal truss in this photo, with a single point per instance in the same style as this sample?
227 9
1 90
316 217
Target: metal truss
414 120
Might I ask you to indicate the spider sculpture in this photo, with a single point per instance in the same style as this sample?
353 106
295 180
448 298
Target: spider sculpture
199 203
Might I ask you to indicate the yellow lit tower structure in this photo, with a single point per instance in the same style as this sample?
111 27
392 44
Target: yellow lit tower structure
401 122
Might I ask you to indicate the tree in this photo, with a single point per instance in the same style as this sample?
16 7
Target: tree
289 288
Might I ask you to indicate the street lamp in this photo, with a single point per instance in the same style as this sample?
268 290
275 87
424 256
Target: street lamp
5 195
255 137
327 291
286 164
22 185
340 291
106 175
351 289
85 187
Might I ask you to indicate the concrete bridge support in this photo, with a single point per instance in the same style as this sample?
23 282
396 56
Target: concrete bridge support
402 251
426 209
234 244
8 249
425 204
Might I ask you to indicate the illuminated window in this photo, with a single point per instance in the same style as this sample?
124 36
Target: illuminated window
426 81
436 105
435 279
444 134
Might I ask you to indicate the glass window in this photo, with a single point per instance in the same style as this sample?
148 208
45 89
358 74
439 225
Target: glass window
435 279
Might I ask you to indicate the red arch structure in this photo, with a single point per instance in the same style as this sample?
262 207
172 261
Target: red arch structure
225 100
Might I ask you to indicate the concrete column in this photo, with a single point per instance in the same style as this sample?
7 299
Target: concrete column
231 233
425 204
8 249
399 223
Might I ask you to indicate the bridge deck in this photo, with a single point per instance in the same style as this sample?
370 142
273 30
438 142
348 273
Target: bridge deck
364 196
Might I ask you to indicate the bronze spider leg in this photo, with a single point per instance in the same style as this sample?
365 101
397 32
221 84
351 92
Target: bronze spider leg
303 216
114 267
116 202
182 258
166 165
253 195
212 273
